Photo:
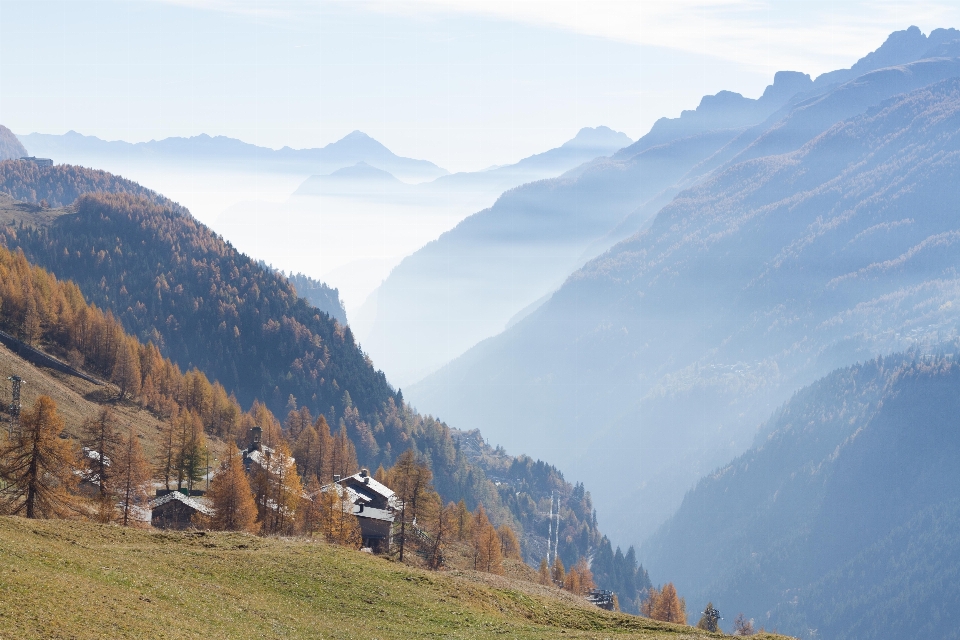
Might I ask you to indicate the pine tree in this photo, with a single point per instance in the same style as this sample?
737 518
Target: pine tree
37 466
131 476
231 496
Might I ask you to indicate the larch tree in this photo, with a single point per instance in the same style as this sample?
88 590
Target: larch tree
486 545
558 572
509 545
37 466
668 606
232 499
131 476
306 450
286 489
337 522
543 574
579 579
191 454
743 626
411 480
343 455
463 521
101 440
310 512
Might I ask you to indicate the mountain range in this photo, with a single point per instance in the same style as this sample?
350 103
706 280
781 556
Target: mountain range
824 238
221 152
498 263
841 522
355 224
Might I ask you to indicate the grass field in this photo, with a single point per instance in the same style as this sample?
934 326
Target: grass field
62 579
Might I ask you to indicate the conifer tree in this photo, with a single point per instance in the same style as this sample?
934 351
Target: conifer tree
37 466
310 511
101 438
558 573
410 479
131 476
742 626
509 545
668 606
543 575
463 521
287 489
337 522
579 580
486 544
231 496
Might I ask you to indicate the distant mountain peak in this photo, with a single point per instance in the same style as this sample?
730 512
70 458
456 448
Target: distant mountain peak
598 138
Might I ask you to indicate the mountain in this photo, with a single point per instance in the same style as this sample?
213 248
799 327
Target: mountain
360 179
222 153
149 266
842 518
662 355
468 284
10 147
357 223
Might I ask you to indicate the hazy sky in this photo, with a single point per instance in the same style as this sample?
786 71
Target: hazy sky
465 83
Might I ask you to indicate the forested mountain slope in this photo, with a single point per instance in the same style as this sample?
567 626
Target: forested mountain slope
174 283
844 518
663 354
466 285
60 185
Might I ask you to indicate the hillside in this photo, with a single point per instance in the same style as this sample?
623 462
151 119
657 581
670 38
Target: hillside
841 518
10 147
61 185
67 579
178 309
677 342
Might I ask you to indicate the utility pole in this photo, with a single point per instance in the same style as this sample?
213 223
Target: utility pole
15 405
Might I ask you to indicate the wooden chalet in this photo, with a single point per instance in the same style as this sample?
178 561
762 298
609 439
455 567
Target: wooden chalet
175 510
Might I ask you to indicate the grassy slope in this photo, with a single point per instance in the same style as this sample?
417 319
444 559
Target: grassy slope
80 580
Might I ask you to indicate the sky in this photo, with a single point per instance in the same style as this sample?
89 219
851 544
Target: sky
464 83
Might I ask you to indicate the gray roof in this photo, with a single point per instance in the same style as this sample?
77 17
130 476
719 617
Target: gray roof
373 514
193 503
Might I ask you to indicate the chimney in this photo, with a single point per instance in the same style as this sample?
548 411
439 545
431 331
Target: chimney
365 474
336 477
